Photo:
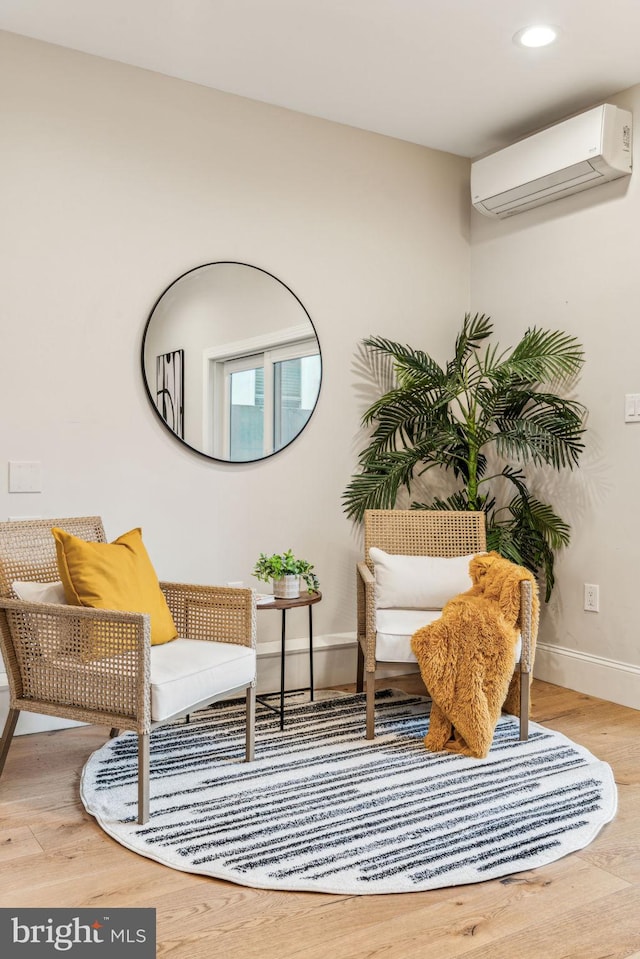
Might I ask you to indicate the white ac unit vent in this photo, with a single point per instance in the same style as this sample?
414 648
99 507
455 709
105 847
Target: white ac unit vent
575 154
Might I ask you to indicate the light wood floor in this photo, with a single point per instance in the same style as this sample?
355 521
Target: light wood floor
586 906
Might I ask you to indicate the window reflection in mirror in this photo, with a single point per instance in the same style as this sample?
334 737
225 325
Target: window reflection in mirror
249 359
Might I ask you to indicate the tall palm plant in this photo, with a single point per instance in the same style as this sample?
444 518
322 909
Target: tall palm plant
486 404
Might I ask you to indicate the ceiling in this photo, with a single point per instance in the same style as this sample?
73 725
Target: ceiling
443 73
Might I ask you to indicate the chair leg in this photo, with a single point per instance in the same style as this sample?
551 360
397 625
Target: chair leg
7 736
371 705
250 747
143 778
360 670
524 706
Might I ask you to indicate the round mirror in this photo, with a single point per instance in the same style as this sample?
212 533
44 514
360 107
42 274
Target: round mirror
231 362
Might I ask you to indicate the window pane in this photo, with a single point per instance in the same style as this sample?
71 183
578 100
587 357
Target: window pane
247 415
296 385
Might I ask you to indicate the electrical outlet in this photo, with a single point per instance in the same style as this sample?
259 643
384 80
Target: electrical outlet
591 598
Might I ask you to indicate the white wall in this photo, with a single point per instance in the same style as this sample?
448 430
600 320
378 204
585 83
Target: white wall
115 181
573 265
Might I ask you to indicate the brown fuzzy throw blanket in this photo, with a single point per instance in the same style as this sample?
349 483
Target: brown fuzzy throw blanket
467 657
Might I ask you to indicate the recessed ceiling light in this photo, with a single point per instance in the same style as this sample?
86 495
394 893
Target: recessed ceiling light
540 35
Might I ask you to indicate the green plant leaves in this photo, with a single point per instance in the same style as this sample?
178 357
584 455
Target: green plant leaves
279 565
486 398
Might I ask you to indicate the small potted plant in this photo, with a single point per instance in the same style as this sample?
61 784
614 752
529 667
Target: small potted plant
286 572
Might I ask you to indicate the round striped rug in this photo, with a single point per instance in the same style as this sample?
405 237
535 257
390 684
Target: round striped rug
322 809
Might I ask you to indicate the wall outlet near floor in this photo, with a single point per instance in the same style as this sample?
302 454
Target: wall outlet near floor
591 598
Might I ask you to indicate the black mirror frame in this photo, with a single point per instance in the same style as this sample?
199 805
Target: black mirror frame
183 442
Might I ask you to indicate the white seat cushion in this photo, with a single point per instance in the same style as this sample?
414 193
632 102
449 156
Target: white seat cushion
186 671
395 627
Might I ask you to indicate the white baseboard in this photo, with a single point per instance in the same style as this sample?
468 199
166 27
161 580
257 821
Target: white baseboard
334 662
598 676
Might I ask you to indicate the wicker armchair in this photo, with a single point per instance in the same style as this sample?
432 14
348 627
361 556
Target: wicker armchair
425 533
133 686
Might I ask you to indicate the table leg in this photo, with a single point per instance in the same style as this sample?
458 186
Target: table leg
311 653
282 658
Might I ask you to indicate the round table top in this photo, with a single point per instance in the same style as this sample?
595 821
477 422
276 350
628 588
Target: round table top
304 599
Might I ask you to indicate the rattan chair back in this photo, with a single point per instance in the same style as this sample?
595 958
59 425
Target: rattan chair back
412 532
28 551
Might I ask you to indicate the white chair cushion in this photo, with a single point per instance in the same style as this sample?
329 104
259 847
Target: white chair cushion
418 582
395 627
186 671
40 592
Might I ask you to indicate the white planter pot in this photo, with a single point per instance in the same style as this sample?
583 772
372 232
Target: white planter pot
286 588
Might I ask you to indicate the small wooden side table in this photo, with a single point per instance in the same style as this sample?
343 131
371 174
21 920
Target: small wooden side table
304 599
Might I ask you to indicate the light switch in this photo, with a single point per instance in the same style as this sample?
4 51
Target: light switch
632 408
25 477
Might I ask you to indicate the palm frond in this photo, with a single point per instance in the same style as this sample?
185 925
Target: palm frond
377 487
529 537
440 447
490 363
404 404
501 540
542 356
408 362
517 478
541 517
542 428
457 501
474 330
405 427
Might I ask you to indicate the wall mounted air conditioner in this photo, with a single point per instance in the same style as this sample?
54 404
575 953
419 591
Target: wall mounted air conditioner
573 155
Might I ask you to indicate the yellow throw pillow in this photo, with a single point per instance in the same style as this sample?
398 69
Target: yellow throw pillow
116 575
